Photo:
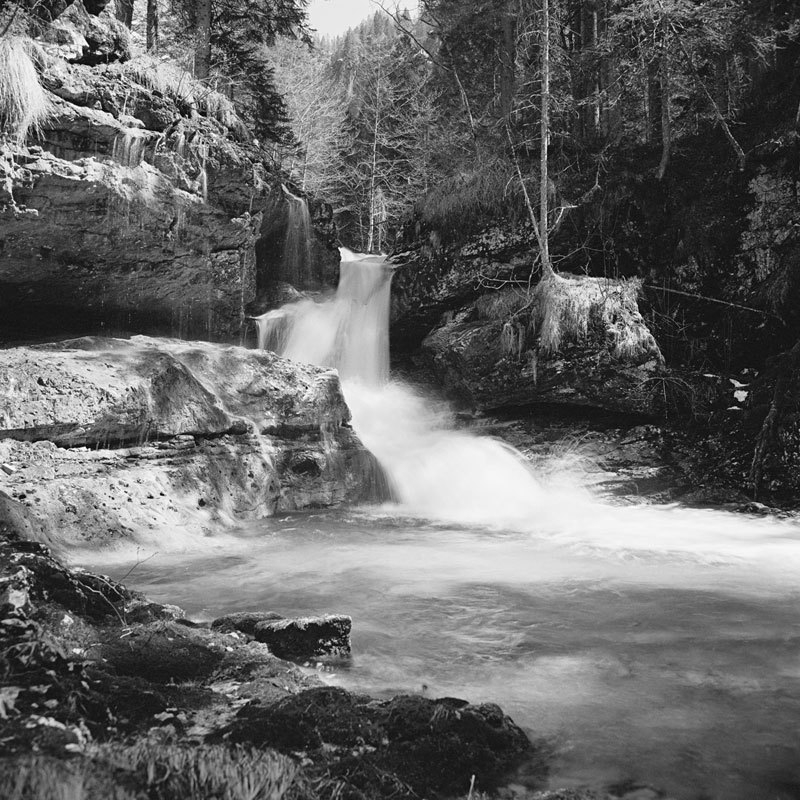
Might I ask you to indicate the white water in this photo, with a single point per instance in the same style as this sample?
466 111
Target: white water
654 644
297 244
442 474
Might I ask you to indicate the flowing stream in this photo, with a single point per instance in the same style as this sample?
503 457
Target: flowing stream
645 643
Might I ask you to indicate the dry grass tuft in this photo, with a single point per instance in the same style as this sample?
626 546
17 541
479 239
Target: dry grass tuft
154 771
172 80
458 202
564 309
47 778
202 773
24 105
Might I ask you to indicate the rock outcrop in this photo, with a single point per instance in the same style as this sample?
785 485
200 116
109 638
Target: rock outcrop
468 356
108 439
144 205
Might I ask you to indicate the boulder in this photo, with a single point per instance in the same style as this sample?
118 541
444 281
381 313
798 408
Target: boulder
406 747
306 637
469 357
183 436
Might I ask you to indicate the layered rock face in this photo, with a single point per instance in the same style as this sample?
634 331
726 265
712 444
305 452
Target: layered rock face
142 206
107 439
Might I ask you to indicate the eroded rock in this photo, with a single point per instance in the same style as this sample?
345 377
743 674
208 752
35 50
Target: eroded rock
111 439
306 637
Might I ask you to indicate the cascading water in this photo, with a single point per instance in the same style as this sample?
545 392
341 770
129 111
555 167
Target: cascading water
436 472
443 474
297 243
649 644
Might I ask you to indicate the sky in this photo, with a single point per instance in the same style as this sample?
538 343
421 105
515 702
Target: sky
332 17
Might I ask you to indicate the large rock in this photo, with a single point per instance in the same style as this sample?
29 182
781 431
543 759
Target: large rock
397 747
139 210
104 439
470 357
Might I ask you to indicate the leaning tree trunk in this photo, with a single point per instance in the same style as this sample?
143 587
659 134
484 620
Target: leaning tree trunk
124 12
152 26
666 108
202 56
544 206
786 370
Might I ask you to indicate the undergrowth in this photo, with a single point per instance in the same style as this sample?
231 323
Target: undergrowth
462 200
154 771
173 81
24 106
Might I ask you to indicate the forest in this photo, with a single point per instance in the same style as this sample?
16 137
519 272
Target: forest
449 362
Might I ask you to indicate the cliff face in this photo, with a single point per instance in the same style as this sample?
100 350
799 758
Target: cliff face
141 208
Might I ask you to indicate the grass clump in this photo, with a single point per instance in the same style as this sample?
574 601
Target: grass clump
47 778
174 772
470 196
173 81
569 309
24 105
154 771
564 309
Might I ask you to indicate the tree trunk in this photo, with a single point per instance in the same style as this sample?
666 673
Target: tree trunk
653 104
374 165
544 247
124 12
786 370
509 59
152 26
666 108
202 56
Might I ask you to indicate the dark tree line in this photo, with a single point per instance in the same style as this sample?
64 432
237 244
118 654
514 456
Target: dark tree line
444 111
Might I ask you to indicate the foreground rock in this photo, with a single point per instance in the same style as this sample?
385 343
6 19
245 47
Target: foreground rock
109 439
164 704
293 639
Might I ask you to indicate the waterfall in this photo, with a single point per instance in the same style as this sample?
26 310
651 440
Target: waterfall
129 147
348 331
444 474
297 243
436 471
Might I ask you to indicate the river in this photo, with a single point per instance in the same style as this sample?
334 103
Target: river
643 643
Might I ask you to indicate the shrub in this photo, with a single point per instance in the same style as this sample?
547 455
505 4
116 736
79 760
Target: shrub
472 196
24 105
173 81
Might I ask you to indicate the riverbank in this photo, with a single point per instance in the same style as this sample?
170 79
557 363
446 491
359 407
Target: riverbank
115 696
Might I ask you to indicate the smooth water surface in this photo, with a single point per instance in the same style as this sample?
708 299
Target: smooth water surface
677 666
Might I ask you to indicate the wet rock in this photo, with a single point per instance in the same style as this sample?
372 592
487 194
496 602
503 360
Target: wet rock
306 637
162 652
244 621
183 434
30 575
407 744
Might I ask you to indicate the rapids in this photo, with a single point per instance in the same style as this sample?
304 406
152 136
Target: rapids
646 643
